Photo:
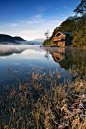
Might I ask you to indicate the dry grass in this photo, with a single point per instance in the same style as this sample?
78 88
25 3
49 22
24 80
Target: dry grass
34 105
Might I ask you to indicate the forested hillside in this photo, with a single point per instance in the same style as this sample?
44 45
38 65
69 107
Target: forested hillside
75 24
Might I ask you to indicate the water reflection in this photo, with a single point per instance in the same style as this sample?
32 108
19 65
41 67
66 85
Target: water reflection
24 58
27 91
6 50
67 57
59 55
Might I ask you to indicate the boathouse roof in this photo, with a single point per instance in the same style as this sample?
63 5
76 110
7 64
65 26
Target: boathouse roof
65 32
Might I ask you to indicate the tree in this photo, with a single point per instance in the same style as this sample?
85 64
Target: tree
80 32
81 8
47 34
47 55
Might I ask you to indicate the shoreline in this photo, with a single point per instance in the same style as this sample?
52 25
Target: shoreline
84 47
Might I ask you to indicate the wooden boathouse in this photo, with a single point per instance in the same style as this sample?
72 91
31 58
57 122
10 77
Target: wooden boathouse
62 39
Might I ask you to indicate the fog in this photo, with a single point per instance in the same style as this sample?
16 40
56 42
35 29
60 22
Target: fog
11 49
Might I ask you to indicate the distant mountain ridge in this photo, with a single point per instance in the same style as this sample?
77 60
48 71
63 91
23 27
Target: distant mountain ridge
8 38
39 40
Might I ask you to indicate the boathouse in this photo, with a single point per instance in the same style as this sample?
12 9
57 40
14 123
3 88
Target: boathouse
62 39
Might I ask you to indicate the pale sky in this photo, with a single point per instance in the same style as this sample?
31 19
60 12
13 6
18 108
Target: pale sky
30 19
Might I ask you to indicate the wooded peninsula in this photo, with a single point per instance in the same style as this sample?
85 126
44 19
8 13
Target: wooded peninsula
74 28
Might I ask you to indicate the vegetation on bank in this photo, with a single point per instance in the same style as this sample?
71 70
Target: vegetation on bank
33 104
75 24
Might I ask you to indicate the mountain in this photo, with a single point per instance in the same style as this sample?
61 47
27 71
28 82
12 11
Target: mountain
39 40
18 38
9 39
34 42
30 42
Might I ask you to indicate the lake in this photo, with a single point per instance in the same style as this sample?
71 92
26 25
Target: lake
31 75
23 58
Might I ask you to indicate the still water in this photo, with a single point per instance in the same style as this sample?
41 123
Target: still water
21 59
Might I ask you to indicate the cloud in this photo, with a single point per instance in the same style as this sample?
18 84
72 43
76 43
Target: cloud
41 8
13 25
38 28
7 25
65 7
36 19
28 51
65 12
33 28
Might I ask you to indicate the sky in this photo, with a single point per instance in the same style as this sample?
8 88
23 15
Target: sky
30 19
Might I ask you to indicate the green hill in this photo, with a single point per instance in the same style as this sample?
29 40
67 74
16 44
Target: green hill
77 25
8 38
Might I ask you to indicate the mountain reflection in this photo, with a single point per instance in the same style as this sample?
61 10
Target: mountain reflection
6 50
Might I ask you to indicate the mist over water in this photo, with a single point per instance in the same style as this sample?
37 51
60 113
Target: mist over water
10 49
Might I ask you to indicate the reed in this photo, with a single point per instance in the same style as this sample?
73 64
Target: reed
42 101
